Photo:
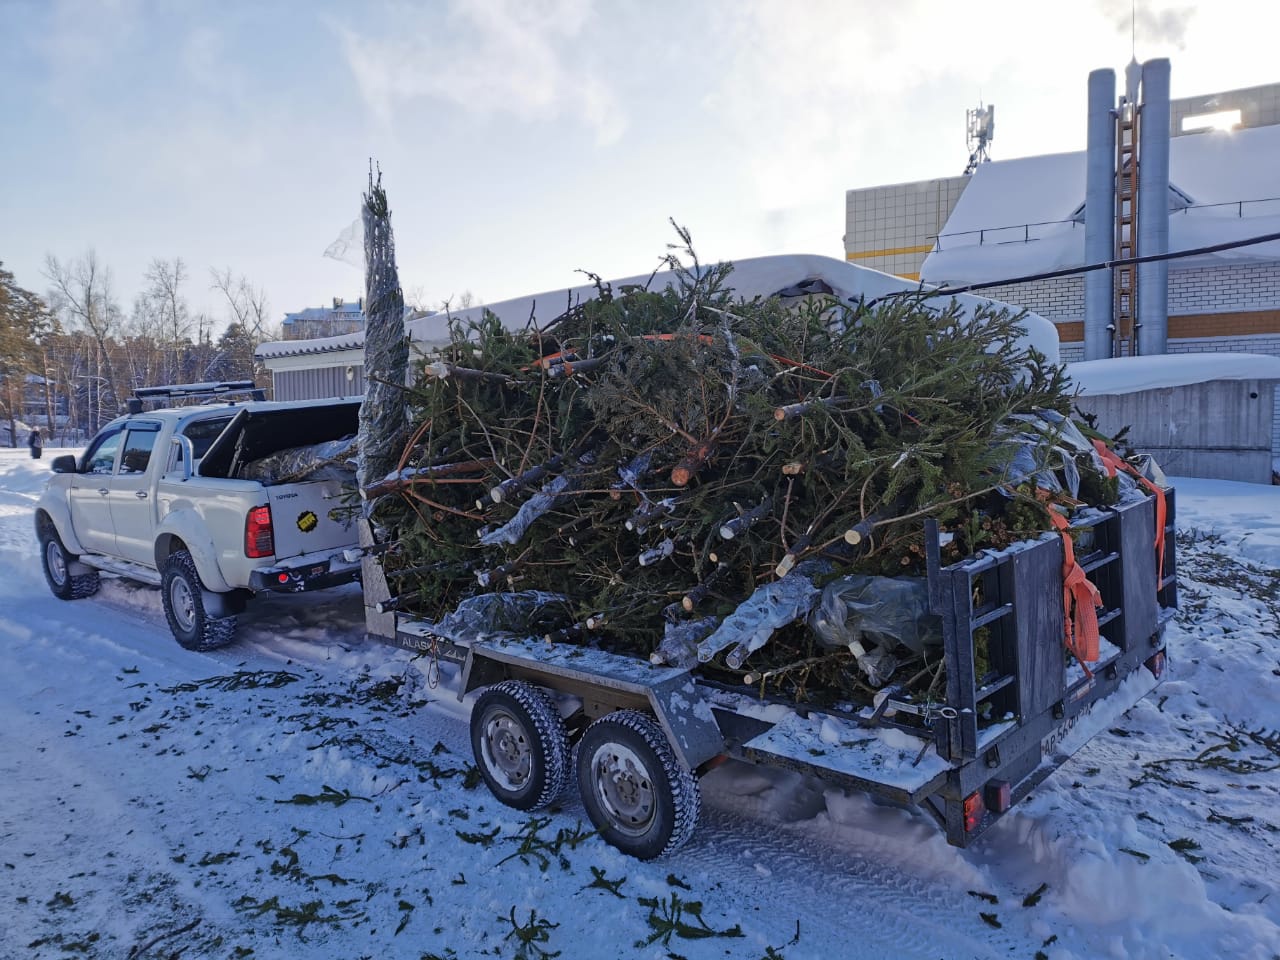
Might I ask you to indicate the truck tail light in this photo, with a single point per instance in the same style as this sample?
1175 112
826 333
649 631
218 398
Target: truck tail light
974 809
259 539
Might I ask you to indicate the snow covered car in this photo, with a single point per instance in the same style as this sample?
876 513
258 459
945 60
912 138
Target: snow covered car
211 503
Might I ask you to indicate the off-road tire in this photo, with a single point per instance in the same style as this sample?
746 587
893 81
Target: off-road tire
57 562
181 593
520 744
639 796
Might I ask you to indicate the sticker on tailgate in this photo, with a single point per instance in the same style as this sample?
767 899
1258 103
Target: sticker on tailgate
307 521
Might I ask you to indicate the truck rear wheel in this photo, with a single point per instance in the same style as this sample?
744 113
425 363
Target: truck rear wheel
183 596
639 796
58 565
520 744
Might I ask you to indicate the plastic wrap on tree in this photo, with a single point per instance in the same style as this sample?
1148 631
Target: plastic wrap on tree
513 531
769 608
864 610
383 422
679 646
499 616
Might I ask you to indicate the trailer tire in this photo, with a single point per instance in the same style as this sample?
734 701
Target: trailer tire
641 798
182 595
57 563
520 744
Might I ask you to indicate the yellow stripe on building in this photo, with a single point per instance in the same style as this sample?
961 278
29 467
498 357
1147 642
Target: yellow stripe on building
890 252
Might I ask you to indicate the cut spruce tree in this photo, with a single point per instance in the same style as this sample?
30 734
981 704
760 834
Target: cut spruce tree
678 474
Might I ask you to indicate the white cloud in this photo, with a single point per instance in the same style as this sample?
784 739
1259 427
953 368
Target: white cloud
1147 25
488 56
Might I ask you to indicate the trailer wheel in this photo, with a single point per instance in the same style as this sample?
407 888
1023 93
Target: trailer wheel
64 584
639 796
520 744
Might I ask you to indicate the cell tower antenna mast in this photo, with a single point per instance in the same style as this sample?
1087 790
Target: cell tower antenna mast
980 130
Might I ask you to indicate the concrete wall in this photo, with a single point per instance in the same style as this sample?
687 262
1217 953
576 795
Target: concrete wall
1221 429
1223 308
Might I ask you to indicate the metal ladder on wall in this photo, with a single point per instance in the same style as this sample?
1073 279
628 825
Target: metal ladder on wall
1124 328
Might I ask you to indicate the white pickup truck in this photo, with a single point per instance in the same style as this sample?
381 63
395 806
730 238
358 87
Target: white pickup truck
211 503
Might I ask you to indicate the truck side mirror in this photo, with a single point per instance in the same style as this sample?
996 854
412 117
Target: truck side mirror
64 464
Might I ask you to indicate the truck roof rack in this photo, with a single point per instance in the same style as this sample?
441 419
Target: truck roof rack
194 391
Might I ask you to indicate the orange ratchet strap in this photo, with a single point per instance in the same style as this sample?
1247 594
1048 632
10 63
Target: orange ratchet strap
1112 461
1080 601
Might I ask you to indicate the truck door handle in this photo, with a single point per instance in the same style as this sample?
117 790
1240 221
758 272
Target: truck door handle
140 494
103 491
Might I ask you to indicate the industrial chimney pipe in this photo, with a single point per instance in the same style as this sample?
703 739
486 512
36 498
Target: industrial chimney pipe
1100 213
1153 209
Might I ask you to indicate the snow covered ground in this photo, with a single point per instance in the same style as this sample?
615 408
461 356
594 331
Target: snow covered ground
303 793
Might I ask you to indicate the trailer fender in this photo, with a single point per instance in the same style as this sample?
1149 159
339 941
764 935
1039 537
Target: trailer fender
186 528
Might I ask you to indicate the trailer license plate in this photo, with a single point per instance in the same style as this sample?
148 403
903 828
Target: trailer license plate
1049 745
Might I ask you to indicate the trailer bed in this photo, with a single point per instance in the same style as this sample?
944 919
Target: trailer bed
967 759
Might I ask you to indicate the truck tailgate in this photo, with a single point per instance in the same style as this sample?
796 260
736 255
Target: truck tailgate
309 516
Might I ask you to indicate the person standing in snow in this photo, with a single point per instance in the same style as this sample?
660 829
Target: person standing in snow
36 443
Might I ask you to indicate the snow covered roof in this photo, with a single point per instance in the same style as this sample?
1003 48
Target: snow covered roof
757 276
339 310
317 345
1131 374
1016 217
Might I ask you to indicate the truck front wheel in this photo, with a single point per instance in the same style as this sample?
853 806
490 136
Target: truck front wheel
639 796
58 565
183 596
520 744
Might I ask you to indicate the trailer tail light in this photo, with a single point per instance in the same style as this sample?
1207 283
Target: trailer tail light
259 539
974 810
999 796
1156 664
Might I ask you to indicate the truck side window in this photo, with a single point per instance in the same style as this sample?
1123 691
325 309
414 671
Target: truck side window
137 450
101 457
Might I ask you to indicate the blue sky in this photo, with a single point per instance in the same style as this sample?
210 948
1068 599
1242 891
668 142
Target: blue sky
523 139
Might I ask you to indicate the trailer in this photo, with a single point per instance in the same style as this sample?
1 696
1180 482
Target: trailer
642 734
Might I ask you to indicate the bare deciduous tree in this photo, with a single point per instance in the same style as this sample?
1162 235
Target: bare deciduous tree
247 303
250 325
81 296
